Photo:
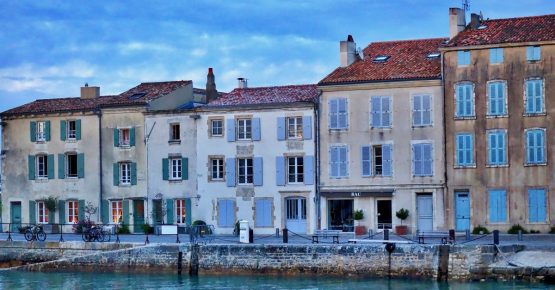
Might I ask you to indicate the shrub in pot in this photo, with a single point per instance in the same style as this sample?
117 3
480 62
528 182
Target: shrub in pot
357 216
402 214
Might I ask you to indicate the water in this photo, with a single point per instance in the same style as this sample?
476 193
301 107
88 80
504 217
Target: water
28 280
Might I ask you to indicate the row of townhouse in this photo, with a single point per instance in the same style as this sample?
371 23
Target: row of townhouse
456 130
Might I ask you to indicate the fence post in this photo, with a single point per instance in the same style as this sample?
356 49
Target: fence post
61 226
386 234
9 233
285 236
496 237
277 232
452 235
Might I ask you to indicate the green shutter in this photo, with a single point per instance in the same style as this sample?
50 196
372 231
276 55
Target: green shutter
51 217
47 130
31 165
81 165
169 211
61 166
165 168
33 131
116 174
133 173
125 211
104 212
132 137
116 137
32 212
50 166
61 211
185 168
81 210
63 130
78 129
188 211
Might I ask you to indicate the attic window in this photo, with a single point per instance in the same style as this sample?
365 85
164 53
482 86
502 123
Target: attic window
136 96
433 55
381 58
482 27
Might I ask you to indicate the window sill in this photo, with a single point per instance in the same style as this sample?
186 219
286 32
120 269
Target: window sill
295 139
124 185
381 128
71 140
497 116
175 180
40 142
532 61
41 179
422 126
174 142
496 165
217 136
245 184
295 183
465 118
540 114
338 129
244 140
339 177
216 180
497 223
538 223
125 147
71 178
535 164
471 166
429 175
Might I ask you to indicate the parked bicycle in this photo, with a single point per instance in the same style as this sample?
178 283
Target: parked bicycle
93 234
35 232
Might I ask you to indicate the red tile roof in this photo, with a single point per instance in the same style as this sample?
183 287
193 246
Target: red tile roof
151 91
509 30
268 95
407 61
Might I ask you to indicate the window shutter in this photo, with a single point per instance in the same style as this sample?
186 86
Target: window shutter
332 114
61 166
50 166
426 110
493 213
386 112
116 137
257 168
32 212
532 206
165 169
307 127
308 167
81 210
31 166
184 168
417 159
132 136
417 110
259 209
63 130
280 170
281 128
116 173
343 161
125 211
334 162
188 213
169 211
541 145
222 212
33 131
387 152
230 130
230 213
342 112
105 212
61 211
263 208
428 161
47 130
540 198
80 165
256 129
78 129
51 217
376 109
230 172
133 173
365 160
502 209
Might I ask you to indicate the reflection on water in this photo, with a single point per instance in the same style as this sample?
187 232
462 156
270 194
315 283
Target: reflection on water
26 280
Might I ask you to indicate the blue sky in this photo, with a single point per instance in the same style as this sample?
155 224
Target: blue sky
51 48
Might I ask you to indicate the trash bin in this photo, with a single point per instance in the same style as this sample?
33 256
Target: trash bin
244 235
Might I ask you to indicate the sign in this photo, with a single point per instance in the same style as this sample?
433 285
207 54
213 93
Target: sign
355 194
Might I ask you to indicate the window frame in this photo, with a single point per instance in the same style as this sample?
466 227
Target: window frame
527 162
545 203
118 208
542 110
248 171
244 127
68 167
72 211
496 55
122 142
221 127
297 127
298 169
497 221
125 173
463 55
505 148
71 134
339 162
45 165
173 132
40 131
42 212
176 168
381 113
220 168
180 212
472 163
489 113
531 52
413 160
472 114
338 115
422 111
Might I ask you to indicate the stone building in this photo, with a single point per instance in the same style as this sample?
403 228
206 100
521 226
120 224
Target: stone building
499 88
381 136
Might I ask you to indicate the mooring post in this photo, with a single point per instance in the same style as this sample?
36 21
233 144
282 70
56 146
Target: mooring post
389 247
179 262
193 265
443 265
285 236
386 234
496 237
177 241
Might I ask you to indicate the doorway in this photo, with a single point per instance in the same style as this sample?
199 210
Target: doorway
15 215
295 214
157 212
340 215
385 219
462 210
424 212
138 215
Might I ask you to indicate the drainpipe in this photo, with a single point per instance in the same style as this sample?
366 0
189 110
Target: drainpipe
98 113
447 212
317 156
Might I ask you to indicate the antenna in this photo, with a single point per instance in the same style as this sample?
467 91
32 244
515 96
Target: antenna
465 5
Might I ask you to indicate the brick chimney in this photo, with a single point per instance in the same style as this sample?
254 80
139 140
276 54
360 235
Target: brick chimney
347 52
90 92
475 20
457 21
211 92
242 83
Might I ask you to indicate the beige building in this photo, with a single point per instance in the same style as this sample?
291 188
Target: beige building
381 136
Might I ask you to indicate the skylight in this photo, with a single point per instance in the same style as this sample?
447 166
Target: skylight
136 96
381 58
433 55
482 27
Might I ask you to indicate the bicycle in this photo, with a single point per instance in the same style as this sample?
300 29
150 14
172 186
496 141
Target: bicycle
35 232
93 234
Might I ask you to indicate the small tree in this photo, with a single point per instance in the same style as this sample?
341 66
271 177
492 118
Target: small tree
90 209
402 214
51 203
358 215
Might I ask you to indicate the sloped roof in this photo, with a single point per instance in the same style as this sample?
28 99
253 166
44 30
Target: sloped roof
267 95
508 30
407 61
150 91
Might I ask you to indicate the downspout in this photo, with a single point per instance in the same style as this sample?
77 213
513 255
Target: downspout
98 113
446 211
317 153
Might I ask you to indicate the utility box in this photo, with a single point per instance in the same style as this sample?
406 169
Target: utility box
244 233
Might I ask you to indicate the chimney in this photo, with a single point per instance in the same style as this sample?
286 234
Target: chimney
211 92
242 83
474 21
457 21
347 52
90 92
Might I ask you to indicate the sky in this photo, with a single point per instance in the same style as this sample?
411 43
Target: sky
49 49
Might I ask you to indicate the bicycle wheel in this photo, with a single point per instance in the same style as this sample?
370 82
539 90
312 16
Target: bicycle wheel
29 235
107 236
41 236
99 237
86 236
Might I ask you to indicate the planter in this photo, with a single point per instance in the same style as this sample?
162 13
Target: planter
360 230
401 230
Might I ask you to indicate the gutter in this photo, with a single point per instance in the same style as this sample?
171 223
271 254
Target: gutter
446 211
98 113
317 155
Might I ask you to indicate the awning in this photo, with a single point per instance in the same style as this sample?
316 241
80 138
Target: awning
352 194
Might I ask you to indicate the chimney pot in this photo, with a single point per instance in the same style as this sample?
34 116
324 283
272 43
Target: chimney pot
474 21
457 21
242 83
211 91
90 92
347 52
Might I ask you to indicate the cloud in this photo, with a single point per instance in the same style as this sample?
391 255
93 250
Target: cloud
198 52
137 46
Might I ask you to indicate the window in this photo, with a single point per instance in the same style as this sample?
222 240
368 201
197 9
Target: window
534 102
41 131
117 211
217 127
42 212
497 102
464 100
338 161
72 211
175 132
263 212
175 168
295 128
433 55
71 130
295 169
463 57
338 114
244 129
217 168
495 55
533 53
226 213
124 137
421 110
376 160
366 161
245 172
497 147
464 155
536 205
71 165
422 161
125 173
42 166
180 211
497 206
535 146
381 114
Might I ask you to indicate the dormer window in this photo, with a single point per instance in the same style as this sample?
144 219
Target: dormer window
433 55
381 58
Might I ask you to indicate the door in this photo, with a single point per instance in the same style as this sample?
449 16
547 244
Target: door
425 212
340 215
384 214
295 214
462 211
138 215
15 214
158 217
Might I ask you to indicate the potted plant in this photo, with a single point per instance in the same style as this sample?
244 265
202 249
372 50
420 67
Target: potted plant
402 214
357 216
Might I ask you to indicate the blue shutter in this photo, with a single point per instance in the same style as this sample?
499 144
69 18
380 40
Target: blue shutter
256 129
258 171
332 114
333 161
31 167
105 211
132 136
230 213
184 168
470 149
386 112
116 137
165 169
230 172
260 213
115 173
169 211
47 130
417 110
61 166
133 173
280 170
459 152
81 210
343 161
493 206
497 206
427 159
50 166
502 206
32 212
61 211
540 140
63 130
532 205
80 165
188 213
125 211
387 160
540 197
365 161
78 129
222 212
33 131
342 113
281 128
416 159
230 130
376 109
426 109
308 167
307 127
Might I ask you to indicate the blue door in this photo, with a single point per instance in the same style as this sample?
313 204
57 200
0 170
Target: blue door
425 212
462 210
15 214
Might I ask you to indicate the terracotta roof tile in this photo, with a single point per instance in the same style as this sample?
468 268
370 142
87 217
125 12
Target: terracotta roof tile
150 91
268 95
407 61
509 30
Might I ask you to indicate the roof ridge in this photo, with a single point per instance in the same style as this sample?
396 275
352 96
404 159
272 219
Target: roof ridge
161 82
516 18
71 98
409 40
268 87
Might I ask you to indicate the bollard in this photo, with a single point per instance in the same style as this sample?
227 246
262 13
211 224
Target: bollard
467 234
9 233
146 239
496 237
452 235
285 236
179 262
277 232
386 234
370 232
177 241
61 233
251 236
520 235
